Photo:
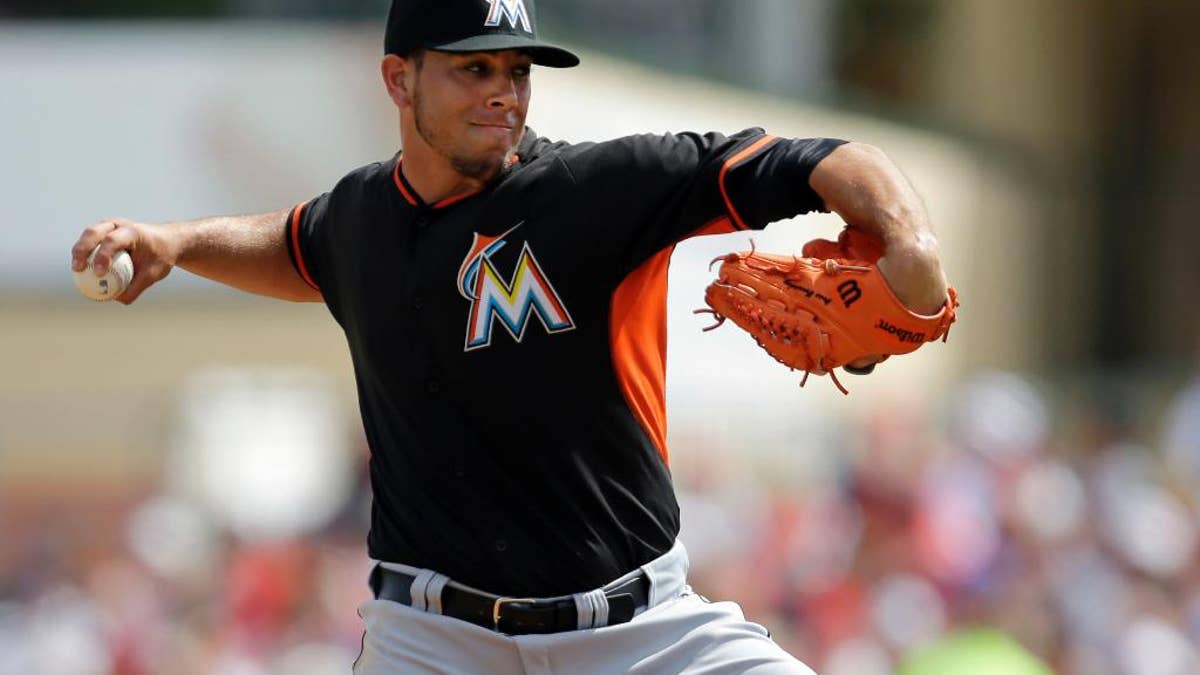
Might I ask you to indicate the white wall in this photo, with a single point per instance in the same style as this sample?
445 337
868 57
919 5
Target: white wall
178 121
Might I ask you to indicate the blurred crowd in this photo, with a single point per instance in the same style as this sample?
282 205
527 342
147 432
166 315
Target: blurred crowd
1010 523
157 587
1061 528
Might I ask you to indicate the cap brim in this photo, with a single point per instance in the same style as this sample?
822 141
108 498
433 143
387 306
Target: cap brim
542 53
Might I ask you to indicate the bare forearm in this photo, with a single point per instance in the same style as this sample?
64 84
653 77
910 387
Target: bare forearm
859 183
246 252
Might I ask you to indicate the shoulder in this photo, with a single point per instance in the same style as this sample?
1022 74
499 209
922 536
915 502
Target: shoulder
369 177
365 188
361 192
659 150
649 159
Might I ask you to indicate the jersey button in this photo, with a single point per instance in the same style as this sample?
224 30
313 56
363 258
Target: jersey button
433 386
418 303
501 545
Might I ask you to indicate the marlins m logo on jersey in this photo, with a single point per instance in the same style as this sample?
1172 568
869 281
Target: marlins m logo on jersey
513 10
528 293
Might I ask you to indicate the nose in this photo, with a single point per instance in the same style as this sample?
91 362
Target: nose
504 93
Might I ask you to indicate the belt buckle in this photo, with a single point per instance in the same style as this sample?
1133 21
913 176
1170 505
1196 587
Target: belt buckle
500 602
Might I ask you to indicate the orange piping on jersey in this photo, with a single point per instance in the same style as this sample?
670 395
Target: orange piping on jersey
734 161
455 199
300 266
400 184
638 339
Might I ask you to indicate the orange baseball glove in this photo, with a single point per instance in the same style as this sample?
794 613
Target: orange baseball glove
822 311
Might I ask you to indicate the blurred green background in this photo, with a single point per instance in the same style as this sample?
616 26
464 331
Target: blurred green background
181 482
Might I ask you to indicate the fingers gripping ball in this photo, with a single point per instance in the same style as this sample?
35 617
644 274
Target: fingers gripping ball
109 286
819 313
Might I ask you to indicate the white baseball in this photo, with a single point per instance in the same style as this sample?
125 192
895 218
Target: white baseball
109 286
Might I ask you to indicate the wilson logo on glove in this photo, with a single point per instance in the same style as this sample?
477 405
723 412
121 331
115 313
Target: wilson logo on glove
901 334
849 292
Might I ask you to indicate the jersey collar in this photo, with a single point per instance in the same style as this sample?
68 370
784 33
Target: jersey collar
410 194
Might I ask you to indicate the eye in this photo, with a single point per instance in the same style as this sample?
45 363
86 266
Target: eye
522 71
476 67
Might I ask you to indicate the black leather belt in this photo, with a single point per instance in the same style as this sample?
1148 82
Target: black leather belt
515 616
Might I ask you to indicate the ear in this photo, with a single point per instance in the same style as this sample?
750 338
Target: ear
399 78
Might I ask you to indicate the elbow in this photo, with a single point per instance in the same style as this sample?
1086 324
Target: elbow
916 277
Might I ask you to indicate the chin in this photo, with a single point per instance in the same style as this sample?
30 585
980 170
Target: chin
482 166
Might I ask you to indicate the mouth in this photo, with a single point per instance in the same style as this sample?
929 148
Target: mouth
495 128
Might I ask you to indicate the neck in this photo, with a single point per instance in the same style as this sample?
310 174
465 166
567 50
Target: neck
430 173
433 176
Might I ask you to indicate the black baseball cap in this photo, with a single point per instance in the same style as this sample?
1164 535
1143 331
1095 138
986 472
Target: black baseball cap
470 26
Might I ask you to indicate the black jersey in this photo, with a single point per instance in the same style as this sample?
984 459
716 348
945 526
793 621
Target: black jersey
509 345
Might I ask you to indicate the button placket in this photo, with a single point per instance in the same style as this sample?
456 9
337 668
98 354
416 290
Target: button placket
420 223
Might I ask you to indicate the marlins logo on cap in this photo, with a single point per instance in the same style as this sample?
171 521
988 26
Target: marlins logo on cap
470 26
513 10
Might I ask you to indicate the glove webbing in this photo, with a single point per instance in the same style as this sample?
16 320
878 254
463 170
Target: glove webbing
830 267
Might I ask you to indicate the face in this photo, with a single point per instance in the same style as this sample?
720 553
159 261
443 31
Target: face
470 108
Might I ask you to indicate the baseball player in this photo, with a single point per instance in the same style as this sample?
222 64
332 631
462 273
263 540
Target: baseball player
503 297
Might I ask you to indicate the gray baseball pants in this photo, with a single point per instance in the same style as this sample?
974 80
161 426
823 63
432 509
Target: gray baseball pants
679 633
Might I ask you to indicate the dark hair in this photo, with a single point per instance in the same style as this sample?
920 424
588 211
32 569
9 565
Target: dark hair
417 56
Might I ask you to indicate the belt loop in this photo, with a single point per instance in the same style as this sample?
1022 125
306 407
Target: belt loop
592 608
601 617
583 610
433 592
420 584
667 574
